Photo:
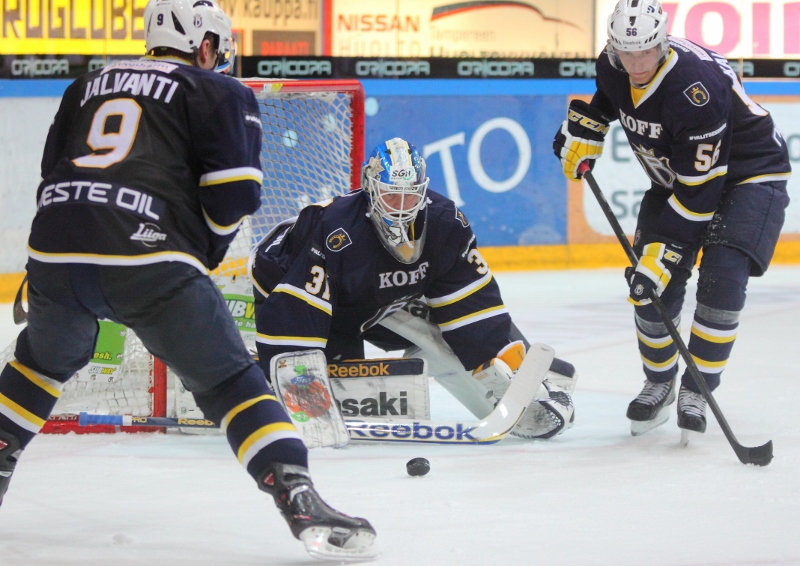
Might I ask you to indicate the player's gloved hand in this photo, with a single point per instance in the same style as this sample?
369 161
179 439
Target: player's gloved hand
580 137
653 270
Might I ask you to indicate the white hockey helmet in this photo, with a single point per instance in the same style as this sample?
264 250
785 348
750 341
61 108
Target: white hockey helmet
182 25
637 25
395 183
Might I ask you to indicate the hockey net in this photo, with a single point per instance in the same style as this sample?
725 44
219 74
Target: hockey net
312 149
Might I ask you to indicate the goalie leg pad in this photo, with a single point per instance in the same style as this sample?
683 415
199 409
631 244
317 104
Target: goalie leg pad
303 388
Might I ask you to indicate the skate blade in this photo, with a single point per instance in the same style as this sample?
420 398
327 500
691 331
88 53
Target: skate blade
641 427
360 547
686 435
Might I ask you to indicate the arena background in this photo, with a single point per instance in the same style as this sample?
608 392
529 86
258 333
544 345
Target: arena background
479 87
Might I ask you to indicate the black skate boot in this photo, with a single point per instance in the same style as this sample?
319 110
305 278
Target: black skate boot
691 413
651 407
326 533
9 454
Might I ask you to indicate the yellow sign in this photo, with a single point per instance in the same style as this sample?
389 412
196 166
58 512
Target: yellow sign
80 27
116 27
438 28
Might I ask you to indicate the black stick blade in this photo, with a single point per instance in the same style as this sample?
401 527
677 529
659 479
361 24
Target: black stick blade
758 455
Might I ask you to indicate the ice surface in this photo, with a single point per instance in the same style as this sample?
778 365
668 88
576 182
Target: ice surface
593 496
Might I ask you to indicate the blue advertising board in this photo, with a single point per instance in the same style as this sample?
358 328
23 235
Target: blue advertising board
491 154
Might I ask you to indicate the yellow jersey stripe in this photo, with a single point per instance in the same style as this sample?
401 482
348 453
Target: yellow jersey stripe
472 318
712 335
122 260
654 342
41 381
461 293
19 415
298 293
307 341
218 228
688 214
264 433
231 175
708 366
660 366
241 407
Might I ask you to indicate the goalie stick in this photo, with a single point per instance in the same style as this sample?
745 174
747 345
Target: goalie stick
758 455
490 430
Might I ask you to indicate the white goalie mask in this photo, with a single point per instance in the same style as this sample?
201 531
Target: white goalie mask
182 25
394 181
637 25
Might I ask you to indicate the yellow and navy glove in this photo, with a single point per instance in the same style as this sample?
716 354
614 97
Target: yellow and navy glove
580 137
653 270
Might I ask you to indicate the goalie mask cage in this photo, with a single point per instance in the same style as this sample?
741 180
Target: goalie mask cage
312 149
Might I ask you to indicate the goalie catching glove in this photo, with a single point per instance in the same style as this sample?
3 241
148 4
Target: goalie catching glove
652 272
551 412
580 138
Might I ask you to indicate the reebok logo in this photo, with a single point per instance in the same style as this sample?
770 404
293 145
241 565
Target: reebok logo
381 406
412 431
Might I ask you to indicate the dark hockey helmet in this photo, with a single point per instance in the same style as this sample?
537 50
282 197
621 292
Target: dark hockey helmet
182 25
395 184
637 25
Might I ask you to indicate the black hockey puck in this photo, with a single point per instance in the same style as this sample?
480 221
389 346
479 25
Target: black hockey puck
418 467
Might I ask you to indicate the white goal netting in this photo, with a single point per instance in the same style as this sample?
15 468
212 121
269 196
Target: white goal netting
312 149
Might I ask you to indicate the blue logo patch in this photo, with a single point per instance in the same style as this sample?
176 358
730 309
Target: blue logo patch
697 94
338 240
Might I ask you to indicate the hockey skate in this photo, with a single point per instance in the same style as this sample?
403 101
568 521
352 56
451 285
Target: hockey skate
691 414
650 409
9 454
547 417
326 533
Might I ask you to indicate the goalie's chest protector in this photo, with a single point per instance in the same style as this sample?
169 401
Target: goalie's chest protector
365 277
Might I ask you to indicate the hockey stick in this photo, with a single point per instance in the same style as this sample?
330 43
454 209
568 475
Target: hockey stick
490 430
20 315
758 455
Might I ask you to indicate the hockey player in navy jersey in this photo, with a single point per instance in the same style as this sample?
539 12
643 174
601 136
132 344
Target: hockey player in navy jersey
327 278
718 167
148 170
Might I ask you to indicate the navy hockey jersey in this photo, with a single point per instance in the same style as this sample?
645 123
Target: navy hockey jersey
695 132
329 274
148 160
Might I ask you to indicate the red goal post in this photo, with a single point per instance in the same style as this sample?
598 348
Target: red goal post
312 149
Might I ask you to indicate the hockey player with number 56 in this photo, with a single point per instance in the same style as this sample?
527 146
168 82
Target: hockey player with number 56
345 268
718 167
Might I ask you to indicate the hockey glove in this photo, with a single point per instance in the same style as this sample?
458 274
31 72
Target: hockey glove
580 137
653 270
